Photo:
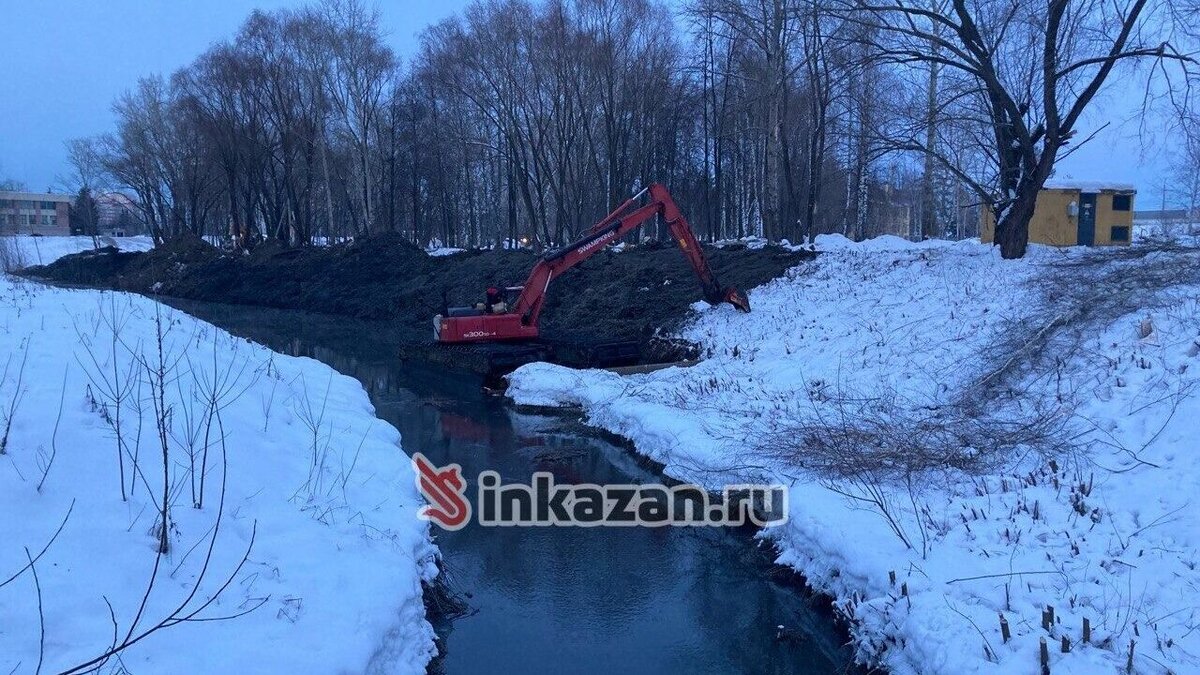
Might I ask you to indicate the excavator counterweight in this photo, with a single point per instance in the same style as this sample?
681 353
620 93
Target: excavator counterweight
499 321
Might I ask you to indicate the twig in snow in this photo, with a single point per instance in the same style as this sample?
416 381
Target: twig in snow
1005 575
988 651
54 435
16 399
182 612
44 548
37 583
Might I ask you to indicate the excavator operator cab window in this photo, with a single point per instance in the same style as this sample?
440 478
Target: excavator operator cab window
494 301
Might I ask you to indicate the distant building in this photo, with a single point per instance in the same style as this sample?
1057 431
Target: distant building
1168 215
119 215
35 213
1077 213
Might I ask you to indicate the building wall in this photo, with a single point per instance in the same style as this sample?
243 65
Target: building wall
1052 223
63 212
1107 219
32 213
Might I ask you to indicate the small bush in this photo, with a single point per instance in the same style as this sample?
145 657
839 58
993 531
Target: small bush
12 258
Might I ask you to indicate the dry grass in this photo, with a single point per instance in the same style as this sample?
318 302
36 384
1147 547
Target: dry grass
1022 404
888 440
12 258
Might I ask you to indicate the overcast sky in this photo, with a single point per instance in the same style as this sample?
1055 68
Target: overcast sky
63 62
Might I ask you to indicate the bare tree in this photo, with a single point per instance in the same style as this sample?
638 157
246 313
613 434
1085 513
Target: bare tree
361 73
1026 72
1185 166
86 161
140 154
520 119
11 184
87 176
773 27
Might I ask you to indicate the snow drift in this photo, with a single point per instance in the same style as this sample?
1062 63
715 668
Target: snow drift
929 563
293 542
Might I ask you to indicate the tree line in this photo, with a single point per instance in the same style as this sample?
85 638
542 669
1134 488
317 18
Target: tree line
525 120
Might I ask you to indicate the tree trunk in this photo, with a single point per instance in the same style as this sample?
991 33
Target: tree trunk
929 224
774 166
1012 229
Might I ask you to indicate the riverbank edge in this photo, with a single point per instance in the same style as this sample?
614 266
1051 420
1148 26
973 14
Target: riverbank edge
29 289
768 550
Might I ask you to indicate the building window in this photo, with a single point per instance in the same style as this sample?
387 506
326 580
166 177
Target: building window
53 221
1122 202
1120 233
48 206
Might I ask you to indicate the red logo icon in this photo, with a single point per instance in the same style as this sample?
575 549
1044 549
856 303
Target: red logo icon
446 492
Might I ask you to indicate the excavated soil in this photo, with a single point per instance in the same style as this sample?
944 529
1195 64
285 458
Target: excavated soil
613 297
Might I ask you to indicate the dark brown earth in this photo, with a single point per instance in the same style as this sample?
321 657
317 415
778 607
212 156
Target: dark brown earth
613 297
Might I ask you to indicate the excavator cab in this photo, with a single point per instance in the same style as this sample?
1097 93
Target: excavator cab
481 321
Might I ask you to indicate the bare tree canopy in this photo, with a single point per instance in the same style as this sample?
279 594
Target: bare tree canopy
1018 76
521 120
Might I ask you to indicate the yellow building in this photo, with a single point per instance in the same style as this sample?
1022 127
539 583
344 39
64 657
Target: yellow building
1077 213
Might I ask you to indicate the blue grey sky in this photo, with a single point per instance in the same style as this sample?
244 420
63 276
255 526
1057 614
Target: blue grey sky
63 62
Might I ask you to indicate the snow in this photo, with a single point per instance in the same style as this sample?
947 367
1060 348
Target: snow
317 489
1088 185
1110 533
1166 231
886 242
437 249
750 242
31 251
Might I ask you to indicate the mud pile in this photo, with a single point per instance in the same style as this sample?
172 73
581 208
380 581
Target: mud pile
625 296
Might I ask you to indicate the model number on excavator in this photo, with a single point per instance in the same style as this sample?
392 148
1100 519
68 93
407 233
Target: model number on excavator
597 244
498 320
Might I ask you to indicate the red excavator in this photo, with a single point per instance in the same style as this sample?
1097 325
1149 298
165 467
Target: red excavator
497 320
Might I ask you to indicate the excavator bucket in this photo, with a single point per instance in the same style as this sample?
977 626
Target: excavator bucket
738 299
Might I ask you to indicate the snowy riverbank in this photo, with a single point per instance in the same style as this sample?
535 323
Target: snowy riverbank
291 507
17 252
889 347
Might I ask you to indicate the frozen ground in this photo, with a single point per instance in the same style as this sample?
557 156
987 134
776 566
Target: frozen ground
293 544
876 352
17 252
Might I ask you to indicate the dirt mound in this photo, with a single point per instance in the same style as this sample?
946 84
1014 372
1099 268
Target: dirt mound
625 296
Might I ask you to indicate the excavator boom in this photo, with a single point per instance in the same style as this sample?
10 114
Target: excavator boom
520 322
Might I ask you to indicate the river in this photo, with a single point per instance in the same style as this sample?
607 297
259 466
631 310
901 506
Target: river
563 600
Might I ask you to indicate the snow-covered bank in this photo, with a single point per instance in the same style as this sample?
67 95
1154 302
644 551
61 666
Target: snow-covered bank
274 459
1108 531
17 252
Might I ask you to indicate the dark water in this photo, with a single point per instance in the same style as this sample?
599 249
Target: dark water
563 600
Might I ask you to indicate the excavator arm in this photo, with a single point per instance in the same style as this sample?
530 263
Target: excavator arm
521 321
